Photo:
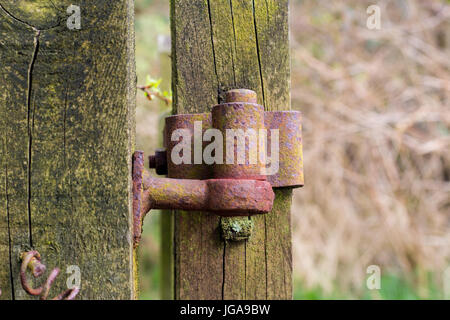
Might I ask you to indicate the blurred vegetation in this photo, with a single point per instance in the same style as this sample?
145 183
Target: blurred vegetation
377 137
152 20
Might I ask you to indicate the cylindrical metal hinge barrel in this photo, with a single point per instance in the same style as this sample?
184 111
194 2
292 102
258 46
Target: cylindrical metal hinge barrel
240 123
285 148
241 95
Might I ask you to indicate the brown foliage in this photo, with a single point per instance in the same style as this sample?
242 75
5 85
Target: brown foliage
376 139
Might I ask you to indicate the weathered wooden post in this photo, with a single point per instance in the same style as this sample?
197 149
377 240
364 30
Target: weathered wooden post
67 96
164 49
219 45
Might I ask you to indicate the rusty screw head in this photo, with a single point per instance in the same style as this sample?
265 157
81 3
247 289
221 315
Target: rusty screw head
158 161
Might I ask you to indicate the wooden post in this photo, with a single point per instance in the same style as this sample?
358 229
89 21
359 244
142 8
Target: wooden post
219 45
67 101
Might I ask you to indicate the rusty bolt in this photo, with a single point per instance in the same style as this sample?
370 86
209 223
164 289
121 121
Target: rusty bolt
158 161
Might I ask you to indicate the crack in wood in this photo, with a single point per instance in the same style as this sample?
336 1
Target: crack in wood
37 34
264 104
259 54
233 52
9 14
30 121
224 268
30 115
68 168
245 267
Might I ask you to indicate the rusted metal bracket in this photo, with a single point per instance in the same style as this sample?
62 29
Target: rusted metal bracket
223 188
224 197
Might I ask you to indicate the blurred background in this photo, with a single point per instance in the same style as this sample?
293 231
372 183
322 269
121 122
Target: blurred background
376 146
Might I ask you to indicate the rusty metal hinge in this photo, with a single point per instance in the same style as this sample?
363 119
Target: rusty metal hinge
229 187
